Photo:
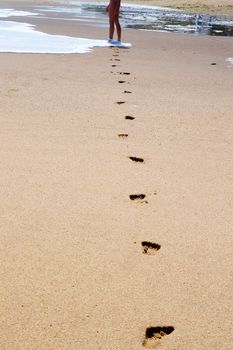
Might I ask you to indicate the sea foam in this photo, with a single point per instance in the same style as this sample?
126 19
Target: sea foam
5 13
23 38
230 60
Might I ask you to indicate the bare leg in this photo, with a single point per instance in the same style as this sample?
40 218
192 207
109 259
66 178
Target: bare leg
111 22
111 30
118 28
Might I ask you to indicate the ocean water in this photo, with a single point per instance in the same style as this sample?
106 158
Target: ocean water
20 37
23 38
144 18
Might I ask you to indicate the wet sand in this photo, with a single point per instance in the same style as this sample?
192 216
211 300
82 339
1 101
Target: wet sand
86 265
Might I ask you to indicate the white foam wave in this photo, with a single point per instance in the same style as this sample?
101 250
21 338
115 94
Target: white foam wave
61 9
22 38
5 13
230 60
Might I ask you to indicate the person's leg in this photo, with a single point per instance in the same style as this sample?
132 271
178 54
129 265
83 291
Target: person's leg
111 21
117 23
118 28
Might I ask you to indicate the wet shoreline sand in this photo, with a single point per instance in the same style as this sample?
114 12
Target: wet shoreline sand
87 266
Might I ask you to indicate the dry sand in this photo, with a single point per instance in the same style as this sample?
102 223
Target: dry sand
224 7
73 272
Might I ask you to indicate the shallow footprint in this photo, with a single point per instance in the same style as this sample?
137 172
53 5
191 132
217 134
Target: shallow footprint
154 335
123 135
150 248
139 196
137 159
129 117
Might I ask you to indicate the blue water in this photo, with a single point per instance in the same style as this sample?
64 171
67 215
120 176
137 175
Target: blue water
144 18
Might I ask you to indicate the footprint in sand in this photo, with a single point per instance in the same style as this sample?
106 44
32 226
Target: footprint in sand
150 248
124 73
120 102
127 92
137 197
154 336
123 135
129 117
114 65
121 81
140 197
137 159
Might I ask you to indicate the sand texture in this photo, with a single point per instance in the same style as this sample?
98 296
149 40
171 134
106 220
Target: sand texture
83 265
214 7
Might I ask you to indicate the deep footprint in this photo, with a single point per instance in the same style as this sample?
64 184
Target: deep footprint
120 102
123 135
129 117
121 81
134 197
137 159
154 335
150 248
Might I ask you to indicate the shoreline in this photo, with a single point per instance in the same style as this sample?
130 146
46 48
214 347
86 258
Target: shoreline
198 7
171 21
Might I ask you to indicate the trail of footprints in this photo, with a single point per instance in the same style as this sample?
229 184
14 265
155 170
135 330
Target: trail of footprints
153 334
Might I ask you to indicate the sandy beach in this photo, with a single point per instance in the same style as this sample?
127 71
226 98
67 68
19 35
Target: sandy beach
74 272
